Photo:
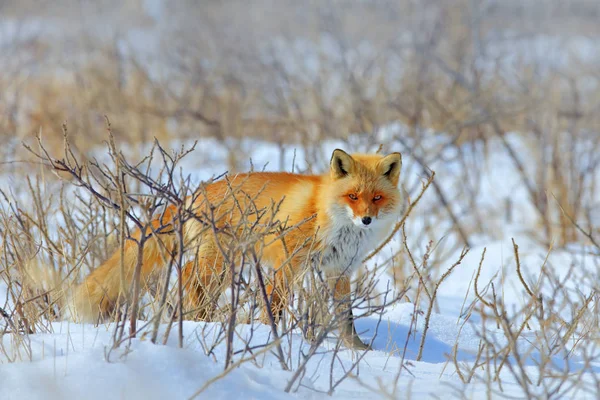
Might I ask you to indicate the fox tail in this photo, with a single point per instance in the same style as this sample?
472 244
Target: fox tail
106 287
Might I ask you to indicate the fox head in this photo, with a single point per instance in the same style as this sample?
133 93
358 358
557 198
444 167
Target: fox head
364 187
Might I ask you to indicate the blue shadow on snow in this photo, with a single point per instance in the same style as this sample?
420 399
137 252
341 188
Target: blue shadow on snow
392 336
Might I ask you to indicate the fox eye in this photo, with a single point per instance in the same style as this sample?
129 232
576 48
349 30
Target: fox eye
377 198
353 196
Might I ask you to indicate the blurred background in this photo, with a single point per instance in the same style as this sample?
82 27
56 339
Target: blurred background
500 98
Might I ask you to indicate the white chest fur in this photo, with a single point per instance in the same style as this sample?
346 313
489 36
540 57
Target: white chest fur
344 248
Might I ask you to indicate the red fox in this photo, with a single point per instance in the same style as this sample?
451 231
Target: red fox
353 208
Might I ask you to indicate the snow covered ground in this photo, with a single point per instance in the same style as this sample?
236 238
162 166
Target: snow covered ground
76 361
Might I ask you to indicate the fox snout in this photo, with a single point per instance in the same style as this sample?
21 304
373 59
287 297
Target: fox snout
364 221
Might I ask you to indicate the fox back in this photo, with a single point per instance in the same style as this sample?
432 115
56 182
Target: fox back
348 210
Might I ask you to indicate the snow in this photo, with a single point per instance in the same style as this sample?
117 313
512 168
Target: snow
76 362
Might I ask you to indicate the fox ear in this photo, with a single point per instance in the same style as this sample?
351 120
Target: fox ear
341 164
390 166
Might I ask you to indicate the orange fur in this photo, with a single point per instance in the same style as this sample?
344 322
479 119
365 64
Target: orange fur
356 186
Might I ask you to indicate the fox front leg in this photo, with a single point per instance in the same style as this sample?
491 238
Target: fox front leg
343 306
349 335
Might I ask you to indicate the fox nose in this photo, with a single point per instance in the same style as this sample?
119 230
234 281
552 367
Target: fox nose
366 220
